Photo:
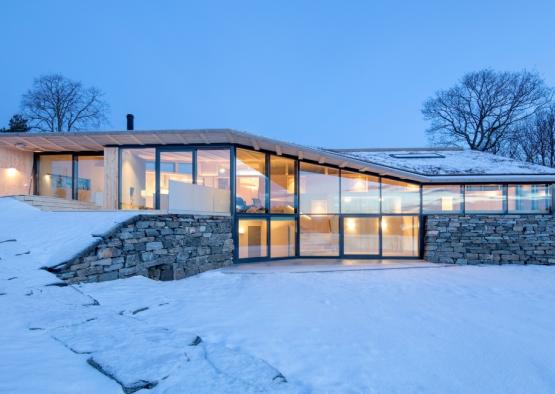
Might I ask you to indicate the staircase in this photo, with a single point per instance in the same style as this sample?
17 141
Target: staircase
57 204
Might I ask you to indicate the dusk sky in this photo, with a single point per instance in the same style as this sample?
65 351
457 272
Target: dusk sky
325 73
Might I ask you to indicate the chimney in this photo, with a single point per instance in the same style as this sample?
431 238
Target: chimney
130 122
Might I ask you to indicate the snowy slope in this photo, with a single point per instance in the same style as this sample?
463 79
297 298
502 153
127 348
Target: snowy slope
453 162
437 330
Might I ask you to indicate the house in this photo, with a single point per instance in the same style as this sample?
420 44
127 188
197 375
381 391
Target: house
286 200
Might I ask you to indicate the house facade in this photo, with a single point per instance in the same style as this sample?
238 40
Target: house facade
286 200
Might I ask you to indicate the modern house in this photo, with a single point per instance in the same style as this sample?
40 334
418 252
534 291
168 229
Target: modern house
287 200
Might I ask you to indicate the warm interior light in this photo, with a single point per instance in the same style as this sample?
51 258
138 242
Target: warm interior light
384 225
319 206
359 186
351 224
447 203
347 199
241 230
143 193
11 172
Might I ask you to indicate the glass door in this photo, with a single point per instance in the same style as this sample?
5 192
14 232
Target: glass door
176 170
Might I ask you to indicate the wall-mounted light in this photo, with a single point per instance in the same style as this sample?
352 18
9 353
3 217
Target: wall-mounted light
241 230
11 172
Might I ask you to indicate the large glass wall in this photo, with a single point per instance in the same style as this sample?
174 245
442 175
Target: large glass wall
359 193
90 179
442 199
400 236
56 176
250 181
282 185
213 173
319 189
484 199
529 198
319 235
176 168
361 235
283 236
400 197
138 178
252 234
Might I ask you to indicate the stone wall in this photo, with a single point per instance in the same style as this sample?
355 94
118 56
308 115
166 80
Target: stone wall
161 247
490 239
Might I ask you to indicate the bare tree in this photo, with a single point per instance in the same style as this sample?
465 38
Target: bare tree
56 103
534 139
481 111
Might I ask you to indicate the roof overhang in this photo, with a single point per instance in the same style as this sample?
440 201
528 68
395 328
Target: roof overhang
97 140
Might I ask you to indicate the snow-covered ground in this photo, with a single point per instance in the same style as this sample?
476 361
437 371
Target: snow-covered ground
485 329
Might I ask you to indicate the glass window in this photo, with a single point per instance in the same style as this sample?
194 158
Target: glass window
252 238
400 197
282 231
359 193
361 235
56 176
319 235
400 236
319 189
138 178
529 198
90 182
442 199
251 181
483 198
176 167
282 185
213 173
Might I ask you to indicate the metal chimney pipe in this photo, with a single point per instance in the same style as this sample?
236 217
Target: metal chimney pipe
130 122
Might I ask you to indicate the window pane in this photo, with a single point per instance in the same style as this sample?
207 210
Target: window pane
282 185
55 176
138 178
483 198
361 235
529 198
319 235
319 189
213 174
400 236
359 193
442 199
283 232
176 167
252 238
251 181
90 184
400 197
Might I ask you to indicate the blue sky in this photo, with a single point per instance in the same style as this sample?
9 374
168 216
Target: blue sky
326 73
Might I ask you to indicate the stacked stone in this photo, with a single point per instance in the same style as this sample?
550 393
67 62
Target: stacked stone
161 247
490 239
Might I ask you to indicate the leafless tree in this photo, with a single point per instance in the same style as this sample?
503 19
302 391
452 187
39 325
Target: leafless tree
481 111
56 103
534 139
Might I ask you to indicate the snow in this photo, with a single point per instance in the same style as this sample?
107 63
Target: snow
447 329
453 162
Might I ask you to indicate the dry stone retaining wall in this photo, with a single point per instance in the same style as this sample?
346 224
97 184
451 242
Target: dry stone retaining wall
490 239
162 247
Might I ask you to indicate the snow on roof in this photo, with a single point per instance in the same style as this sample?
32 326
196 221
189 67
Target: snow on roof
445 161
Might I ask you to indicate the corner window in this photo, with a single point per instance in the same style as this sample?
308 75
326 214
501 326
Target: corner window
442 199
